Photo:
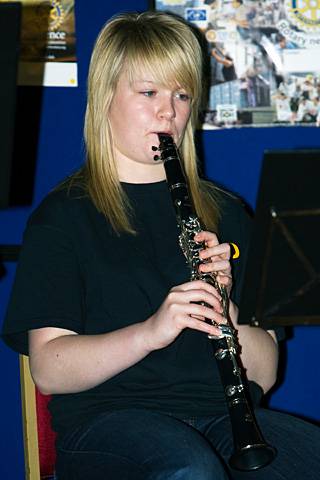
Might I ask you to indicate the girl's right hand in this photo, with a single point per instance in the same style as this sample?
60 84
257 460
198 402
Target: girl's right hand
182 309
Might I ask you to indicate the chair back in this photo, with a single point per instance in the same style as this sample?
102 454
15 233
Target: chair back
39 438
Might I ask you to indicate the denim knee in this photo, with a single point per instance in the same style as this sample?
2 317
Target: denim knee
143 445
206 466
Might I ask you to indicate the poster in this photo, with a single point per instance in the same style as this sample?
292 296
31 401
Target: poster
47 50
263 59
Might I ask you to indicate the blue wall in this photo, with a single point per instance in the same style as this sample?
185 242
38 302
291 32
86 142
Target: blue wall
231 157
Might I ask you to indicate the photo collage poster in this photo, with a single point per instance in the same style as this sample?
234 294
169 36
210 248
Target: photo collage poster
263 57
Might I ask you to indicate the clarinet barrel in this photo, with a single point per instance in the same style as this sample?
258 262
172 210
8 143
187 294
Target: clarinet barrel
251 451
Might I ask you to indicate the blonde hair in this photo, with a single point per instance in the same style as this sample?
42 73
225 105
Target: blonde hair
165 45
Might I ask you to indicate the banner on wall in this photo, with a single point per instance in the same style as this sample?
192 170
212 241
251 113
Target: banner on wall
264 59
47 49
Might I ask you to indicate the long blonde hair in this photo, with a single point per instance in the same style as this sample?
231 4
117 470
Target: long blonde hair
167 46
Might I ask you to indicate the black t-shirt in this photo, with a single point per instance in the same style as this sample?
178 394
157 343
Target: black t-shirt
75 273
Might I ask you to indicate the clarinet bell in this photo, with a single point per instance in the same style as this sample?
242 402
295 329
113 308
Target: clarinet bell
252 457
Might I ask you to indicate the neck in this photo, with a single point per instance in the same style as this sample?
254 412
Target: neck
141 173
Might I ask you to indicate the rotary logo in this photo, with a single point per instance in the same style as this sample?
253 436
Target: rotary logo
57 15
305 14
211 35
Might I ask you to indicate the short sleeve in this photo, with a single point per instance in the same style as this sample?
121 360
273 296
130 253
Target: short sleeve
47 290
236 227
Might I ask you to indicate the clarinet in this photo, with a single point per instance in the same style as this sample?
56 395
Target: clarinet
251 452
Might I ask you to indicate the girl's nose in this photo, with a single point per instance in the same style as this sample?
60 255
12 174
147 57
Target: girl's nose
166 109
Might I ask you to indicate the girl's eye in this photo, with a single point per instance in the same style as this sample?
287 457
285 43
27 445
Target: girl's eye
148 93
183 96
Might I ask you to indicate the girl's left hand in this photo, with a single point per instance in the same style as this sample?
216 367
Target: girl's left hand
216 256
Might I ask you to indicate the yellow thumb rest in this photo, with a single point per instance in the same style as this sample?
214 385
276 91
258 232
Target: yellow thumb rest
235 252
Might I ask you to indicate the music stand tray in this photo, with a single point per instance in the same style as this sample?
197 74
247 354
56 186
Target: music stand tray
282 277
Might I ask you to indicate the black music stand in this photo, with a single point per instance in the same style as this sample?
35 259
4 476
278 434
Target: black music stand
282 278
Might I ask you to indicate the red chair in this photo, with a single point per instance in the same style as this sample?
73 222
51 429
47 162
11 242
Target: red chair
39 438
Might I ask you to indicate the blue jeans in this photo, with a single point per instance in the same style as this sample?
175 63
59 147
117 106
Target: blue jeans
145 445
